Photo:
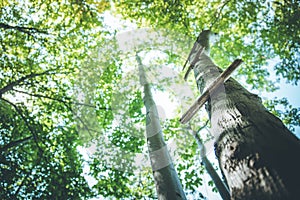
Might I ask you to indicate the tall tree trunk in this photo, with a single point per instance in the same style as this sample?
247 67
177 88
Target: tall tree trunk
167 183
258 155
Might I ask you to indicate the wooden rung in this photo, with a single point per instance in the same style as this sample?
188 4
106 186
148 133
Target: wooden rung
212 88
193 62
193 49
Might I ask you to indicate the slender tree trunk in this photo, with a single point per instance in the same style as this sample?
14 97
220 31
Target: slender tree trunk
167 183
222 188
258 155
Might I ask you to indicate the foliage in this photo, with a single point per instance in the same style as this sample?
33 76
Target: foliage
64 83
250 30
120 141
285 111
286 23
42 45
44 162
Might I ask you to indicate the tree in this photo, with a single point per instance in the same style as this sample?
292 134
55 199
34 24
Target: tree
57 94
123 140
40 55
250 31
33 150
166 179
256 152
253 28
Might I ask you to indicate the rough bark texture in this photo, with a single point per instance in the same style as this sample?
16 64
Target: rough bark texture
258 155
167 183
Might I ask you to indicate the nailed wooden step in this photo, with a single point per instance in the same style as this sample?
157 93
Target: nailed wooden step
205 96
193 62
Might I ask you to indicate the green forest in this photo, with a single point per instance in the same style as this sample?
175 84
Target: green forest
101 99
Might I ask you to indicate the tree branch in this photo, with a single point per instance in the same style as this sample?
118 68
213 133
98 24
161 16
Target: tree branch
221 186
25 177
26 123
198 54
59 100
81 120
27 30
17 82
15 143
218 14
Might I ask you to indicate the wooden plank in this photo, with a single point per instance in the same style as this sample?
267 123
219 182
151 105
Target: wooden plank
193 62
193 49
212 88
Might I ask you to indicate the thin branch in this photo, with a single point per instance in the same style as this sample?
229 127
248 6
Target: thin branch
26 176
201 128
218 14
81 120
59 100
26 123
196 133
27 30
15 143
222 188
22 183
193 49
17 82
70 109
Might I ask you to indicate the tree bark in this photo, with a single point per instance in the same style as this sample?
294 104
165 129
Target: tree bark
258 155
167 183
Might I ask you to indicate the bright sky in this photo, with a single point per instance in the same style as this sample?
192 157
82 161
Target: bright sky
291 92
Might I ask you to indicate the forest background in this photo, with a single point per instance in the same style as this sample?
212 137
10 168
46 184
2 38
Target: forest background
69 86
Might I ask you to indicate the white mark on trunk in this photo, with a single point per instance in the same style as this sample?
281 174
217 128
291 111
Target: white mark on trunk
160 158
